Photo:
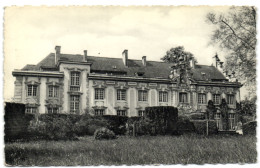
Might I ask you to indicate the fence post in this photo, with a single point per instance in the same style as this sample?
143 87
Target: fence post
134 129
207 127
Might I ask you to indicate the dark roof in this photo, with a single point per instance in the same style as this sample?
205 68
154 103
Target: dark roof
153 69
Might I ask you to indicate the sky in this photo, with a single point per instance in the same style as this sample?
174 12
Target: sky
31 33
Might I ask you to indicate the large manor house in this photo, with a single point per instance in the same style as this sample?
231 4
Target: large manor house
68 83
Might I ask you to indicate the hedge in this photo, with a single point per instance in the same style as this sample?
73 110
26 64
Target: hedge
249 128
201 126
184 124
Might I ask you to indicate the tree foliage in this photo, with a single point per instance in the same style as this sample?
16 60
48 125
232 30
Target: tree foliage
235 32
175 53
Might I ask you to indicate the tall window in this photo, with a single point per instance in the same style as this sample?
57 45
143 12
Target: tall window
31 110
231 118
163 96
216 98
99 112
99 94
141 113
183 97
202 98
74 103
53 91
31 90
121 94
142 95
230 99
52 110
121 112
75 78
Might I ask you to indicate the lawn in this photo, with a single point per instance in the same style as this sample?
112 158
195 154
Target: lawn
185 149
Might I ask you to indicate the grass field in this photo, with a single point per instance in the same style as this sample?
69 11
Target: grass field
186 149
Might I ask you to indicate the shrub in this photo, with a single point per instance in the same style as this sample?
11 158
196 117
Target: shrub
197 116
249 128
184 124
104 133
116 123
201 126
87 125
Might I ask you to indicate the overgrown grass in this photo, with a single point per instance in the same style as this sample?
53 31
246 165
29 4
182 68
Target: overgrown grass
186 149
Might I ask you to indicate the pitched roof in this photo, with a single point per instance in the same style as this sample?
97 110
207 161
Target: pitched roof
153 69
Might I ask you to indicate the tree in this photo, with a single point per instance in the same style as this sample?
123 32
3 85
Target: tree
235 32
181 62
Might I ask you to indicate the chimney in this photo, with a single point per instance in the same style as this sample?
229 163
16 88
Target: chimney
192 62
144 60
125 57
85 55
57 54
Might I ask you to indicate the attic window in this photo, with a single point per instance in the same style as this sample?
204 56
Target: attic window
139 73
114 67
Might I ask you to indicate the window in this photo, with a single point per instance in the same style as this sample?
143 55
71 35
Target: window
217 116
74 103
230 99
99 94
121 112
216 98
121 94
31 110
142 95
99 112
231 121
183 98
141 113
75 78
163 96
202 98
32 90
53 91
52 110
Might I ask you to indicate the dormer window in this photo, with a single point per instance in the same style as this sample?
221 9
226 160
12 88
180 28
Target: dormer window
139 73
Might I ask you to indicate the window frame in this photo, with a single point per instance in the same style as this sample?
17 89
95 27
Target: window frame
98 94
229 102
74 103
203 99
121 95
141 112
214 98
142 95
121 113
163 96
33 110
51 110
186 95
74 78
99 112
33 90
53 91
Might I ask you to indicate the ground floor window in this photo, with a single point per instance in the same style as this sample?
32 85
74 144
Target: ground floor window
231 121
74 103
121 112
52 110
31 110
99 112
141 113
183 97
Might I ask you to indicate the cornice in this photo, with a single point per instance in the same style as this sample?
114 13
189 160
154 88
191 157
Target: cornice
38 74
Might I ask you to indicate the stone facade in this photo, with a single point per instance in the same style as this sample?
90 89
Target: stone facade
71 85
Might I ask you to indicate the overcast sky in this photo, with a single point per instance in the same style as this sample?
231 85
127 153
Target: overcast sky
31 33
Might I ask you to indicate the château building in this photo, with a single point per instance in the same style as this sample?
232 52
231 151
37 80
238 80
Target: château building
67 83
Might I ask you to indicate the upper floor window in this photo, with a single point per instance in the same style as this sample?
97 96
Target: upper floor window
75 78
99 94
163 96
202 98
230 99
142 95
31 90
183 97
121 94
53 91
216 98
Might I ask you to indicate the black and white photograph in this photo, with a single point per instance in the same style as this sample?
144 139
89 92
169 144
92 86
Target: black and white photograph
129 85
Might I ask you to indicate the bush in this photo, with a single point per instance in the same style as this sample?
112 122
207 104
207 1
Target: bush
53 127
87 125
197 116
184 124
116 123
201 126
104 133
249 128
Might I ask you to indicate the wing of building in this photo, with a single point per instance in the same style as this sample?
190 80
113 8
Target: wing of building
66 83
